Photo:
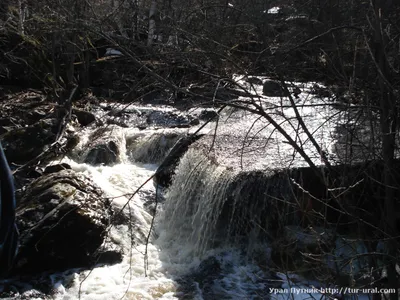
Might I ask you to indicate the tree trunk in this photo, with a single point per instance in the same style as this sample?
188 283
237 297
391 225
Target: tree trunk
135 19
22 11
152 22
388 122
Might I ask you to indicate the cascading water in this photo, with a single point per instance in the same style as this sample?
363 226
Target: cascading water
178 264
210 239
195 201
127 279
209 205
142 149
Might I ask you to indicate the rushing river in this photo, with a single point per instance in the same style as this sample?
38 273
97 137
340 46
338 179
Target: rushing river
172 266
183 259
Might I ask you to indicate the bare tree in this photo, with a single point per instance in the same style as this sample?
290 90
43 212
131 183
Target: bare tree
388 120
152 22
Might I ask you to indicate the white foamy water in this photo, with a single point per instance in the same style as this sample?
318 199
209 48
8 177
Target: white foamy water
167 271
128 278
184 259
249 141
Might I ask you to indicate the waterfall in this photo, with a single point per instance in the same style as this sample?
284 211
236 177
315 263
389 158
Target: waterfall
153 148
209 205
221 213
195 200
110 138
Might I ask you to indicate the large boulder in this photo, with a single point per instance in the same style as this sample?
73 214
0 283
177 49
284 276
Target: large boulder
167 168
273 88
63 219
103 147
85 118
103 154
208 114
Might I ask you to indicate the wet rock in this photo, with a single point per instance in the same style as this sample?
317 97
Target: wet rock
103 154
62 219
170 119
296 91
167 168
30 173
103 147
56 168
254 80
273 88
209 92
209 267
203 278
121 112
209 270
251 200
72 142
123 115
320 91
208 114
85 118
17 293
194 122
152 200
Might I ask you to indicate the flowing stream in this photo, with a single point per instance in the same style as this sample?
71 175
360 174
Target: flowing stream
191 254
175 258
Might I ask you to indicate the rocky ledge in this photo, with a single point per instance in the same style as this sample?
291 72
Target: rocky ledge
63 219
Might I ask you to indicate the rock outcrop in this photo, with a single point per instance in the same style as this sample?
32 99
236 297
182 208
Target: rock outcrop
85 118
103 146
273 88
63 221
167 168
